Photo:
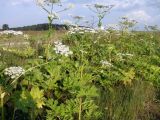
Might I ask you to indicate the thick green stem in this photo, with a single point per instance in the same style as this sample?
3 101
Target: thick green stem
99 23
33 114
49 35
80 99
13 114
50 20
2 112
80 108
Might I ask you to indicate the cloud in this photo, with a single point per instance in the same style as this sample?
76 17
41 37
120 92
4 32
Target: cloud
140 16
140 10
20 2
153 3
120 4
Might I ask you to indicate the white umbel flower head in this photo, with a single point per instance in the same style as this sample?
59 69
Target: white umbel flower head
53 1
106 63
26 36
125 54
81 30
54 15
14 72
67 22
7 32
71 5
40 2
102 28
62 49
44 2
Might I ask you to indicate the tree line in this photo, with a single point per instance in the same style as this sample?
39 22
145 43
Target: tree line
37 27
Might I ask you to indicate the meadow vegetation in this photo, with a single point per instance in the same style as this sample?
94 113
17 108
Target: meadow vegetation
81 74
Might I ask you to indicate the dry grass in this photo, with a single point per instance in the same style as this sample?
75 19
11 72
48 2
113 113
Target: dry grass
37 36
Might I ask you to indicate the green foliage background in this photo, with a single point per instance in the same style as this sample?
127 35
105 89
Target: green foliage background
79 87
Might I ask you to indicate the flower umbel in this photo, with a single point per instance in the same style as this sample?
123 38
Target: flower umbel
106 63
14 72
125 54
12 32
62 49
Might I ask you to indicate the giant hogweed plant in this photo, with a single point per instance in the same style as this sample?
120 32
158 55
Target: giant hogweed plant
48 6
126 24
100 10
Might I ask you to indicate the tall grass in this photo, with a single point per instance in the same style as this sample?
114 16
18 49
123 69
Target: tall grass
126 102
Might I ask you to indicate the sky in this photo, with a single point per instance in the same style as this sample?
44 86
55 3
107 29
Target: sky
17 13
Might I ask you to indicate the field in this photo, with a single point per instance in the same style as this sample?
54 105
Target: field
107 75
80 72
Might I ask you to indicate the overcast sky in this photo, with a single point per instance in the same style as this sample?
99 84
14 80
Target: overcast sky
26 12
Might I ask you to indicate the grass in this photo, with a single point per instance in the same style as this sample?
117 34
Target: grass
127 103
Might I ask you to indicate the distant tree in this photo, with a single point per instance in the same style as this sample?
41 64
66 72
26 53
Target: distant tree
5 27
